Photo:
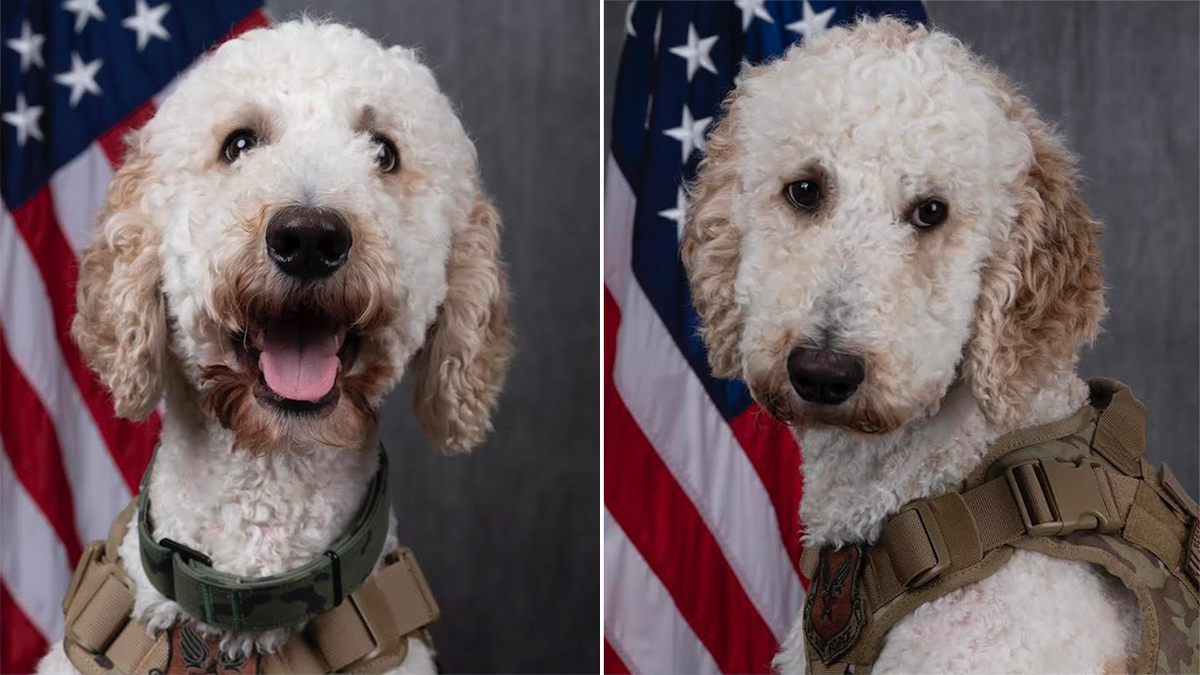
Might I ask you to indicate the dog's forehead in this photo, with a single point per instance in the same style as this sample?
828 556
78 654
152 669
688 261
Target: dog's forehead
302 67
923 103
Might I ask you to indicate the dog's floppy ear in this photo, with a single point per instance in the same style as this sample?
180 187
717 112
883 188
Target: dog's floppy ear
1042 296
711 250
461 367
119 322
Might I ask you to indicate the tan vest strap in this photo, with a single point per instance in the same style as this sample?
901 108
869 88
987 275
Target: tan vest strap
932 538
1155 526
1121 428
137 651
1023 438
98 631
369 631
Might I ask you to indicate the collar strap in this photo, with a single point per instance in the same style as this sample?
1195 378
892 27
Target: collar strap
259 603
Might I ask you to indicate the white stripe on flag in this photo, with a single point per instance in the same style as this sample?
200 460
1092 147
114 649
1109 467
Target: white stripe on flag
97 487
620 207
641 621
33 562
78 190
695 441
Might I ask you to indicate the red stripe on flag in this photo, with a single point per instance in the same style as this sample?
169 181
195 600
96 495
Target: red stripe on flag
130 444
664 525
613 665
32 447
256 19
21 644
776 458
113 140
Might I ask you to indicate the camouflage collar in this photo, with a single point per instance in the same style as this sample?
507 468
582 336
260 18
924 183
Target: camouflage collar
259 603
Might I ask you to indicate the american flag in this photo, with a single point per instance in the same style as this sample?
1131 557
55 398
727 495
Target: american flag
75 77
701 491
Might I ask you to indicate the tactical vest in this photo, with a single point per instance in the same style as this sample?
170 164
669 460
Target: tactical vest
1076 489
365 631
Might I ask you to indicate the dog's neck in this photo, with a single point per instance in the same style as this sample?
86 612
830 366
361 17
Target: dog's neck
253 514
854 482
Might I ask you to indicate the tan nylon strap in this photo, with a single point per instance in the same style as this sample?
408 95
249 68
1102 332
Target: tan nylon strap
136 651
908 547
968 524
116 533
1040 434
102 608
1038 504
373 623
995 513
1153 525
1121 428
1178 494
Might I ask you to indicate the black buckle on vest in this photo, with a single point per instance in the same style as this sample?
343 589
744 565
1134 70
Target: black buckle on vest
186 552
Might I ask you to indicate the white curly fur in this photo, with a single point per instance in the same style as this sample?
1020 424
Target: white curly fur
968 331
180 259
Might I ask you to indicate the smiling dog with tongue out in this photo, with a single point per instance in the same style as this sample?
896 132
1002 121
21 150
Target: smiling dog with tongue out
300 222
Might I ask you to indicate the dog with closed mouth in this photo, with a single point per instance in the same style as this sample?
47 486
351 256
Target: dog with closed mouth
300 223
890 247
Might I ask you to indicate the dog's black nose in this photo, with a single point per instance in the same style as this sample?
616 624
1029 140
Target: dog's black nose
824 376
308 243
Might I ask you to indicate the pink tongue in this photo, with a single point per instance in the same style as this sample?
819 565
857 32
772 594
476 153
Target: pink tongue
299 359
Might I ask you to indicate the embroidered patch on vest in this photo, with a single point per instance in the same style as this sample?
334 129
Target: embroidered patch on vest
835 612
193 653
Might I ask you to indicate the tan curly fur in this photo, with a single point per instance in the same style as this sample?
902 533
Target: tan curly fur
461 367
1042 296
711 248
119 324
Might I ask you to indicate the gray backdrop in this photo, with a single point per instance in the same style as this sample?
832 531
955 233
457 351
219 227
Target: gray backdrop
1121 80
509 536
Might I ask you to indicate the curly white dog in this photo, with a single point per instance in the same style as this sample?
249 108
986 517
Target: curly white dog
889 246
301 220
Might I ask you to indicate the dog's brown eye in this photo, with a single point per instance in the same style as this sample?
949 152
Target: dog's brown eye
386 156
803 194
930 213
238 142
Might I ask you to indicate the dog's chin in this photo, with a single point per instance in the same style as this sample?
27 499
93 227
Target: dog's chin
859 414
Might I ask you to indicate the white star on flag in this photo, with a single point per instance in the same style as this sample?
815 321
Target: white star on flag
25 119
813 24
696 52
677 214
751 9
689 133
146 21
84 10
80 78
29 46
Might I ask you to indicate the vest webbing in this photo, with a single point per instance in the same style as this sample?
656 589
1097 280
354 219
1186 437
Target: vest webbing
1076 489
366 633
